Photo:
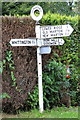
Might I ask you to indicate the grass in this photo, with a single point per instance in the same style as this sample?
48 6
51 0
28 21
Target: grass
57 112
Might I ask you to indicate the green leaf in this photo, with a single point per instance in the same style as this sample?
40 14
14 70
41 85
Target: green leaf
4 95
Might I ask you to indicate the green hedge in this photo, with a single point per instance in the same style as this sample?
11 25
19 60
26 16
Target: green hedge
70 49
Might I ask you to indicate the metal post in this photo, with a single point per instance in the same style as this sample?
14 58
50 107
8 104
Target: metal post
39 64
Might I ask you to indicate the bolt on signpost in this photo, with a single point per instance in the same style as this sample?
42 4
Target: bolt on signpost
44 39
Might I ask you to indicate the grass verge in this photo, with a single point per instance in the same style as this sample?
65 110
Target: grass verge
57 112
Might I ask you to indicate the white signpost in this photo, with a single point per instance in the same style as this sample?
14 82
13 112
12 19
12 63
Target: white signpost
44 39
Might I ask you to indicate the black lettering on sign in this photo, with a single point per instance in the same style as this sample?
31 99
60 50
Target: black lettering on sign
33 42
14 42
58 27
51 34
43 32
17 42
43 35
23 42
29 42
61 33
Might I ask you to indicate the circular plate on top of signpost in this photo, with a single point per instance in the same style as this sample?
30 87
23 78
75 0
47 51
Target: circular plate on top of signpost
34 9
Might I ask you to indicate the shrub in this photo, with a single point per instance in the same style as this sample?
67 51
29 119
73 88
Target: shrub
54 79
57 89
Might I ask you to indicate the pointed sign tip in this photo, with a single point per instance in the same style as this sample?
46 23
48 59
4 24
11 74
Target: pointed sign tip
10 42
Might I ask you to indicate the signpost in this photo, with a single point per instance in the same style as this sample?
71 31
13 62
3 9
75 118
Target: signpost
44 39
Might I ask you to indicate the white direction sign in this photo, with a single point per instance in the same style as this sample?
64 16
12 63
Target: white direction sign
51 42
23 42
51 31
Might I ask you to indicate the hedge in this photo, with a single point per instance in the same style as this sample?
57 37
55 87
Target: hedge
19 63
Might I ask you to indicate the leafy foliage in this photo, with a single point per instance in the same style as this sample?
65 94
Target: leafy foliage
24 8
4 95
53 81
1 67
54 84
32 101
10 65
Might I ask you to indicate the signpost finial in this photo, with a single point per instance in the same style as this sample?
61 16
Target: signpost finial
33 10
